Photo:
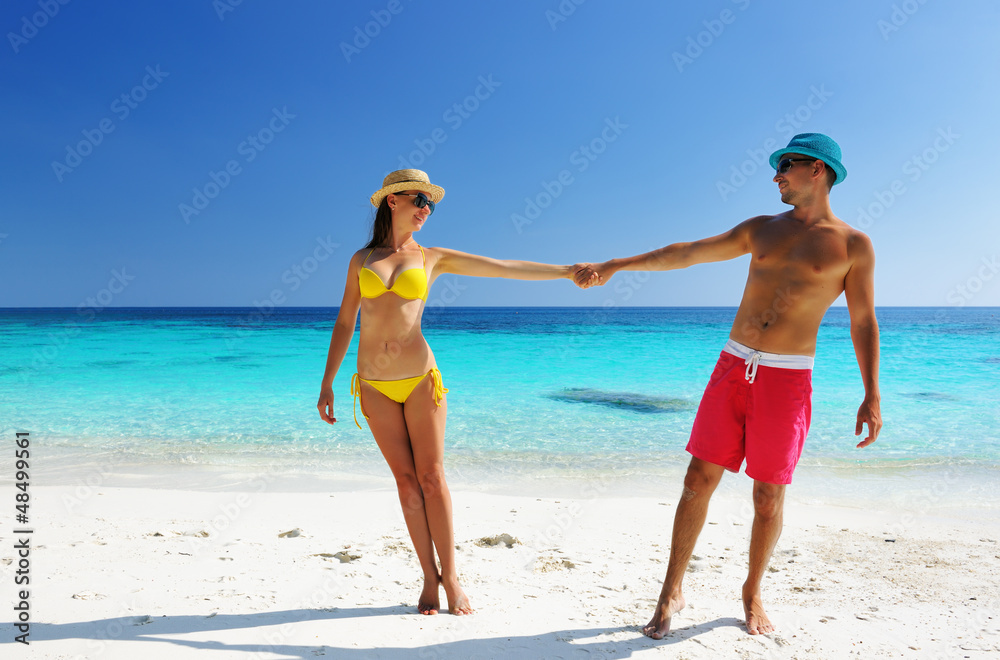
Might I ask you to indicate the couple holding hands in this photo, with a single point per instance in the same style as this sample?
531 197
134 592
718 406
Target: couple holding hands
756 406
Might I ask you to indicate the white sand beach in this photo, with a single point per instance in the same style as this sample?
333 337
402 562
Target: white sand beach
127 572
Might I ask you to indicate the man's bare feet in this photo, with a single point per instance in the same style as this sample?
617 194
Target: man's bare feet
659 626
757 621
429 602
458 602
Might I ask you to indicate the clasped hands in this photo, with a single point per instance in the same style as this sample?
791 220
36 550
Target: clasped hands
586 275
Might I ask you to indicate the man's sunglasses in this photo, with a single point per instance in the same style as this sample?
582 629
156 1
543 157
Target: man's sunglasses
420 200
785 164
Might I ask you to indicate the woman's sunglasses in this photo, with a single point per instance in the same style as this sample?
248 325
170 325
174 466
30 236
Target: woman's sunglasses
785 164
420 200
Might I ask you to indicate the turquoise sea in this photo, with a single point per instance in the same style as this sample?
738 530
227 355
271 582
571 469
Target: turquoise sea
535 393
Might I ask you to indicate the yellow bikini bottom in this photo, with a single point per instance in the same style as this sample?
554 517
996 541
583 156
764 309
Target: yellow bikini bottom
397 390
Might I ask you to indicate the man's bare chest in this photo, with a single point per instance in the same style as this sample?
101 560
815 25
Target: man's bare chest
805 254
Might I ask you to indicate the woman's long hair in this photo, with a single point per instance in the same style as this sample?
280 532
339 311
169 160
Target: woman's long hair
381 226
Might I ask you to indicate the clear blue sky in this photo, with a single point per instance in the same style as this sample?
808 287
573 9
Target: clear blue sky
669 99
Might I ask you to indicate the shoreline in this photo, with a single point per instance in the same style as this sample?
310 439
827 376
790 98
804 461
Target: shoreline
165 573
967 488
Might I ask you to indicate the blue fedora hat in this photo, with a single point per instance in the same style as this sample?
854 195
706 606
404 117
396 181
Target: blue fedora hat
816 145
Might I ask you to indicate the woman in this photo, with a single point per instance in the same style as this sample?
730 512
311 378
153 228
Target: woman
402 394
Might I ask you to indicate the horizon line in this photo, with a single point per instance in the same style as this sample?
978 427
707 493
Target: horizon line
441 307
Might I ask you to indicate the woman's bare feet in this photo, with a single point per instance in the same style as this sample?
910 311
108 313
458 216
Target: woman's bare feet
458 602
429 602
757 621
659 626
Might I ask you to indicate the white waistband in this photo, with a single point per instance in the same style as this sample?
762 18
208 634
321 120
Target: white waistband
778 360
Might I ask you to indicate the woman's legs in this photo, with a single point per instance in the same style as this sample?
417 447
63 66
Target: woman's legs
388 425
425 421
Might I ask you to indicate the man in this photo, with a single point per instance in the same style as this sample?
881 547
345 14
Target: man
757 403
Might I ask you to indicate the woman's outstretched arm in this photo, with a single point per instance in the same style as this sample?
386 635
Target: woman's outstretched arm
462 263
343 331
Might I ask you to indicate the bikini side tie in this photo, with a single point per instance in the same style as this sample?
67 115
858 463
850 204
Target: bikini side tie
439 389
356 392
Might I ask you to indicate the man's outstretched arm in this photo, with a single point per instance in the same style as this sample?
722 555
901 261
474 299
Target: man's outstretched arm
725 246
859 290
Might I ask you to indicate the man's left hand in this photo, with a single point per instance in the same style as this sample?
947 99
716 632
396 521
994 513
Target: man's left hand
869 413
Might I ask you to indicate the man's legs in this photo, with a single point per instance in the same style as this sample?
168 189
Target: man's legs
768 503
699 484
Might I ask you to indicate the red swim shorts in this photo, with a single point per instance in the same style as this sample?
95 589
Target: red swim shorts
756 406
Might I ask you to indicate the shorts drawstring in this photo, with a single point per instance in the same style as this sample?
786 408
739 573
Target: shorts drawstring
752 362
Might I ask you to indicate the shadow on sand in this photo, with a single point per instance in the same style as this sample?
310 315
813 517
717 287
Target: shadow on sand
157 629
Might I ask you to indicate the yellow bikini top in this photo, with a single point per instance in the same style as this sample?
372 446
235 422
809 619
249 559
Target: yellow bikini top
410 284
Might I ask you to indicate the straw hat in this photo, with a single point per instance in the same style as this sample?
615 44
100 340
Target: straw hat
407 180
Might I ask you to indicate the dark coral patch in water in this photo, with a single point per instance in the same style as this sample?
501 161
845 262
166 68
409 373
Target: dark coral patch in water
229 358
623 400
931 396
